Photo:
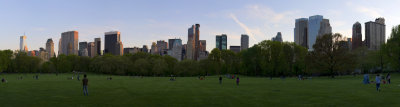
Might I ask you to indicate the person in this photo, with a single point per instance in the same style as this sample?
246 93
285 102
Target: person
3 80
220 80
378 82
37 77
237 80
78 77
85 85
388 78
366 79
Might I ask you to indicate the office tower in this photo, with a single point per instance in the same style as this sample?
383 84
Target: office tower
83 49
375 33
59 46
221 42
244 42
145 49
112 43
176 51
357 36
131 50
278 37
171 43
325 27
154 49
97 46
193 43
42 54
91 49
300 32
203 45
317 26
161 46
184 48
50 48
69 43
22 45
235 49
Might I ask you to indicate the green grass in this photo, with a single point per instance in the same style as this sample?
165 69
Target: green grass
52 90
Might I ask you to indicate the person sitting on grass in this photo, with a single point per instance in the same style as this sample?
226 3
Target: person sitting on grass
85 85
378 82
3 80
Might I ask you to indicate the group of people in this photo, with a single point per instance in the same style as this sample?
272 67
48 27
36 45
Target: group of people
237 80
378 80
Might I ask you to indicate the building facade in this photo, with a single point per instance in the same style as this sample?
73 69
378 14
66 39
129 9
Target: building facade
193 43
97 46
22 46
356 36
221 42
325 27
83 49
176 51
244 42
235 49
50 48
112 43
278 37
300 32
375 34
314 23
69 43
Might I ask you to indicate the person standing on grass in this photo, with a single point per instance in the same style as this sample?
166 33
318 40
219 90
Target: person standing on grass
220 80
388 78
85 84
237 80
378 82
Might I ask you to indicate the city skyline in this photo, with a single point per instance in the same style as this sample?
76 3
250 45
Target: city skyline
142 26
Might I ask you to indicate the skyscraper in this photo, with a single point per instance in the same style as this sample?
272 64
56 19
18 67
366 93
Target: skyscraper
357 36
145 49
112 43
375 33
69 43
221 41
300 32
50 48
22 45
315 29
154 49
97 46
83 49
278 37
325 27
176 51
193 43
91 49
203 45
161 47
244 42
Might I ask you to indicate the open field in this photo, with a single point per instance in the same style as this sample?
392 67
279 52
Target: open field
52 90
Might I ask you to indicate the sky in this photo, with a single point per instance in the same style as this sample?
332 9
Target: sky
142 22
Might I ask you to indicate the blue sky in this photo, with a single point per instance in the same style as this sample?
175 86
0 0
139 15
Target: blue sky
142 22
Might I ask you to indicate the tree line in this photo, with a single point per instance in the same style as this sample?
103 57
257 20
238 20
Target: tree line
331 56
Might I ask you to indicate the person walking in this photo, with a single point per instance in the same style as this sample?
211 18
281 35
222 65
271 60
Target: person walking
85 85
237 80
220 80
388 78
378 82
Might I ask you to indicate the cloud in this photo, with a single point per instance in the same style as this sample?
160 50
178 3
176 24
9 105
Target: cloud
243 26
371 12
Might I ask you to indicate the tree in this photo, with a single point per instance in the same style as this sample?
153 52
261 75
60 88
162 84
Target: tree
330 54
5 59
392 48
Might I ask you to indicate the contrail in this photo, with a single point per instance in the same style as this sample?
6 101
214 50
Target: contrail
248 31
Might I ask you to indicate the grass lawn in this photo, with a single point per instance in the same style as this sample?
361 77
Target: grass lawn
56 91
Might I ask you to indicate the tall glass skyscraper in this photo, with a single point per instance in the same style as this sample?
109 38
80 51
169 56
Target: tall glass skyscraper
221 41
314 24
